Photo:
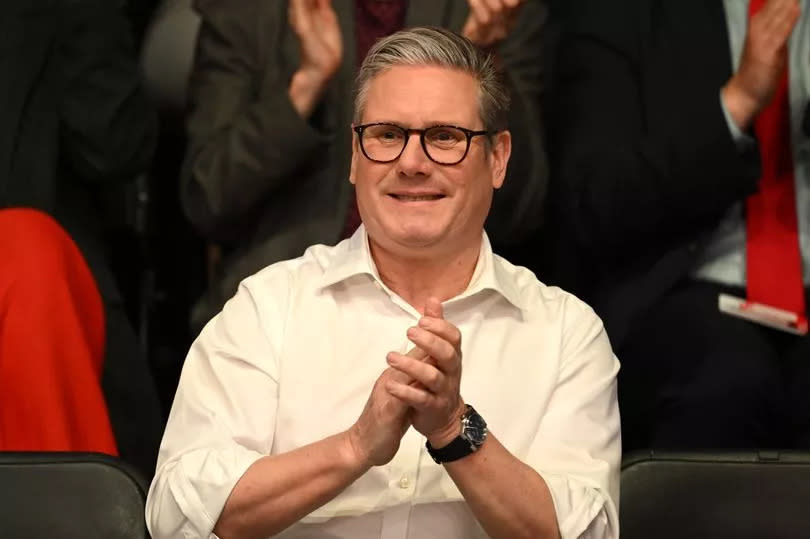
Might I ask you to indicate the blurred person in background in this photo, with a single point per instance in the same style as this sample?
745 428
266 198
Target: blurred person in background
682 201
73 124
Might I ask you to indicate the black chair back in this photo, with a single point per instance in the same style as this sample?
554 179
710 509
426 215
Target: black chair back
70 496
717 495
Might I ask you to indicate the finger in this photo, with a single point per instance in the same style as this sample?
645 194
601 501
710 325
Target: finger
403 378
776 9
324 11
417 353
778 28
433 307
494 6
784 21
767 8
421 355
438 348
772 6
479 10
417 398
399 376
300 16
775 13
500 14
513 8
427 375
442 329
471 28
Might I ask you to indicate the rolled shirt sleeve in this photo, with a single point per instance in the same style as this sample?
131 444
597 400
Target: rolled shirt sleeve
578 448
214 433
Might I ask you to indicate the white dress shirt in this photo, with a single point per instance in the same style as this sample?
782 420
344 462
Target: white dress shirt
723 260
292 359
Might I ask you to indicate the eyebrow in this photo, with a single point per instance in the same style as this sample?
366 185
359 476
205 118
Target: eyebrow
426 126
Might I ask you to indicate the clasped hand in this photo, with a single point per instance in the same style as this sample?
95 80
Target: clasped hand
419 389
433 392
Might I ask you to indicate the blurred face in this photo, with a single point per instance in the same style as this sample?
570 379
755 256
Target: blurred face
412 204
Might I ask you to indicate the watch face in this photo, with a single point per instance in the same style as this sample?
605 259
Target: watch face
475 428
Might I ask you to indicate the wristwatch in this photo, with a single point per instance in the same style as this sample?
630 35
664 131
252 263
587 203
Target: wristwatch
473 434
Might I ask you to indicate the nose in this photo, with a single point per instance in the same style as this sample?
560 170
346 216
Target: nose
413 161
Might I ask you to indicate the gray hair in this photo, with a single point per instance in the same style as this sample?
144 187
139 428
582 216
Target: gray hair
433 46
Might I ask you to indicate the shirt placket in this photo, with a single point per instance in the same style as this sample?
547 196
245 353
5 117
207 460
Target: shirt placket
402 477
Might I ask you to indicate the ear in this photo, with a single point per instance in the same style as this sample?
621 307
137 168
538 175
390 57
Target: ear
501 150
355 149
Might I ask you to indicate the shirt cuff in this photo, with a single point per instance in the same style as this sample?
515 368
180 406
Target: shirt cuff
742 140
578 507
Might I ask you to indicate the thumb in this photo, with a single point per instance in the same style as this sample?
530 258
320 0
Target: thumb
470 29
433 308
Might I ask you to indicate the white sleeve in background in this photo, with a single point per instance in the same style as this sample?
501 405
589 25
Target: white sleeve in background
742 140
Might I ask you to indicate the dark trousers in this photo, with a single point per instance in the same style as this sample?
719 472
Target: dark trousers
131 395
695 378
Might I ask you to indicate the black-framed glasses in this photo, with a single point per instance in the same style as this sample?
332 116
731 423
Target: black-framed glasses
443 144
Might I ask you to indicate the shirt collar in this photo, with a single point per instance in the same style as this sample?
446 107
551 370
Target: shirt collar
353 257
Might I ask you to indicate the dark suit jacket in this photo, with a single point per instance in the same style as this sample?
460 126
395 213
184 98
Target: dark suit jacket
267 184
72 117
647 166
73 122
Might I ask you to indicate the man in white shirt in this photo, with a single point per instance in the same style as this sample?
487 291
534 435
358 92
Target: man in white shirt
299 412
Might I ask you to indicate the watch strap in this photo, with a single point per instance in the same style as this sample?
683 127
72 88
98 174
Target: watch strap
455 450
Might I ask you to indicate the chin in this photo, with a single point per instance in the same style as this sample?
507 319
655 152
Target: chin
415 235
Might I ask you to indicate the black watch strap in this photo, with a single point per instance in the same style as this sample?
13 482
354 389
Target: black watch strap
457 449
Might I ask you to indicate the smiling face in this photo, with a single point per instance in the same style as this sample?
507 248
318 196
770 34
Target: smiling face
413 206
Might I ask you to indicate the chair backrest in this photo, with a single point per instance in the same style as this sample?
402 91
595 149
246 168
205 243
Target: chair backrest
70 496
720 495
167 53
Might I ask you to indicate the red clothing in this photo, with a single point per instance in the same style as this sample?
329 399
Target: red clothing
774 261
373 19
51 341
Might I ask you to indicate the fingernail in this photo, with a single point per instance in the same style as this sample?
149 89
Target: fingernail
424 322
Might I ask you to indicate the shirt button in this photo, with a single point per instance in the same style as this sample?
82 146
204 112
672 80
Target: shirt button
404 483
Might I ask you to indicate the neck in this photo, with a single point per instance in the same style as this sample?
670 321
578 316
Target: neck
417 277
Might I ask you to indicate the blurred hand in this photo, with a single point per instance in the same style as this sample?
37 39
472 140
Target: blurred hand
316 26
764 59
435 400
490 21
